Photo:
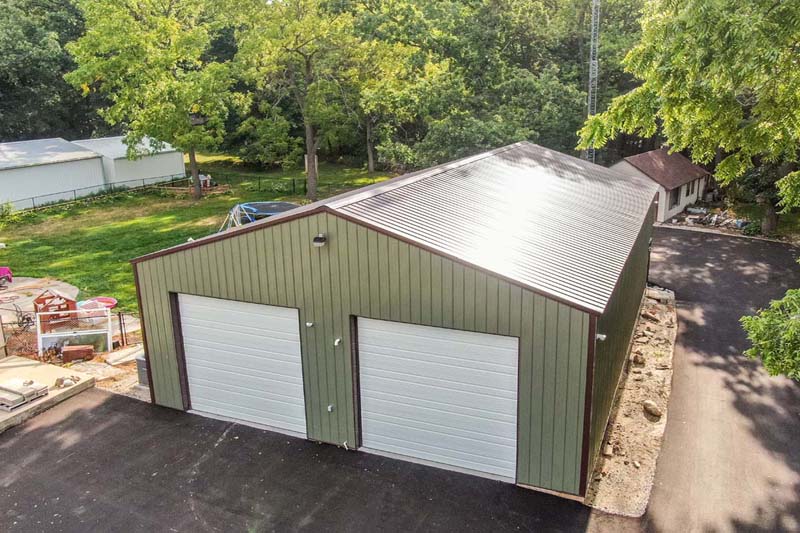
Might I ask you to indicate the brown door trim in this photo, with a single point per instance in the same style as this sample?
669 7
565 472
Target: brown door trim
180 352
356 380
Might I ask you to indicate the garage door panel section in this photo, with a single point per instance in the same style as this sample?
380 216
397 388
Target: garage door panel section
243 361
440 395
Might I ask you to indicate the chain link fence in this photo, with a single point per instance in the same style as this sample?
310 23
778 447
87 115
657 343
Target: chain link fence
73 195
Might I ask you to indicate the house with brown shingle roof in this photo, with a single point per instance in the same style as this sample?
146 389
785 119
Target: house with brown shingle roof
681 182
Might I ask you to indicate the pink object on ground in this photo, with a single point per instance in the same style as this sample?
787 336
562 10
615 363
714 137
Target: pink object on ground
5 272
105 301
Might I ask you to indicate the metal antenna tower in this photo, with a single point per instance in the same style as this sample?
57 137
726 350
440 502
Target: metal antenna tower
593 69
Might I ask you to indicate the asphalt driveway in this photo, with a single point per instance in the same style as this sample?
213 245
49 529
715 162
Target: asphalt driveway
731 455
100 462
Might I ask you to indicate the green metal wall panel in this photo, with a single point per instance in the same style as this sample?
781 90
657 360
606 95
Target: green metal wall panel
617 323
361 272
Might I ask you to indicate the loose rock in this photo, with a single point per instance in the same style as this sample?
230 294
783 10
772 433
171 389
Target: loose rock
608 451
652 408
649 316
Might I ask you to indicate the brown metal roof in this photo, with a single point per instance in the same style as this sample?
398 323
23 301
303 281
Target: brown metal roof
669 170
555 224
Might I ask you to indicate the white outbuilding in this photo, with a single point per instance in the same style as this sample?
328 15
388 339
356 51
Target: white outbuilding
43 171
150 167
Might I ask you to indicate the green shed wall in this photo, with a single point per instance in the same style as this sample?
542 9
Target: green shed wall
361 272
617 323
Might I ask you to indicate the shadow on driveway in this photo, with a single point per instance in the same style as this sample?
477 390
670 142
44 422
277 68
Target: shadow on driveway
731 455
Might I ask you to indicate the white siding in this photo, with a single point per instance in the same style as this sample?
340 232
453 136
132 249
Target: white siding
150 168
664 212
443 396
51 183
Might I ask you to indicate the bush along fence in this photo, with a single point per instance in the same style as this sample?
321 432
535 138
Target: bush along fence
290 186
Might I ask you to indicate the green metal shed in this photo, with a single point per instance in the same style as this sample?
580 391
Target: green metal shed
473 316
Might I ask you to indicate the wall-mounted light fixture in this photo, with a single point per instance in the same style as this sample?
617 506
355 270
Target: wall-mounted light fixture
601 337
337 342
309 324
320 240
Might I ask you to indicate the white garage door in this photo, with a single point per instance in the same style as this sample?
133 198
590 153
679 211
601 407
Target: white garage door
439 395
243 362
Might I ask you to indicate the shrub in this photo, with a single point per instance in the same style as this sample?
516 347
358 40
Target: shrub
775 335
753 228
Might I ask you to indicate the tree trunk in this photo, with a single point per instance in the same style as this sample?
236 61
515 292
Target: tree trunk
770 223
370 147
311 162
197 191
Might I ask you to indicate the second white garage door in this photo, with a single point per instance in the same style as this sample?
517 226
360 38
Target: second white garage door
439 395
243 362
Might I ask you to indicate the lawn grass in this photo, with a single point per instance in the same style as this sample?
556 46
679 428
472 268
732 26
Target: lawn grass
90 244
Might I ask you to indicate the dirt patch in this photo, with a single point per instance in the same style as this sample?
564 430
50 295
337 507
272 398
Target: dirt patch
626 466
126 383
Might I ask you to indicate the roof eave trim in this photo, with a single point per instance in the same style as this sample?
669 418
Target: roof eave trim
233 232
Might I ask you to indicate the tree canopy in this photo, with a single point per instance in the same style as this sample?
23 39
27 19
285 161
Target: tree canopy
150 60
35 101
719 79
775 335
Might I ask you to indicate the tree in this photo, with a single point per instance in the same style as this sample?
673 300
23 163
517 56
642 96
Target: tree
384 78
299 48
775 335
35 101
149 58
719 79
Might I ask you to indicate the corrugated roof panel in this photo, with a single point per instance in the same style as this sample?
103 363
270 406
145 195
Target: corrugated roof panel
555 223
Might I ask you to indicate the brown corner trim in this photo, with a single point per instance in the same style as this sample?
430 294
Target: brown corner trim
177 332
356 380
144 335
587 407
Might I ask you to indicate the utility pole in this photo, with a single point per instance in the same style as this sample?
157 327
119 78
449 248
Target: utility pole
593 69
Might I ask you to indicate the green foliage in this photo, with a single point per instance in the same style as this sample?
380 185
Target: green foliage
269 141
752 229
150 60
775 335
346 79
716 77
35 101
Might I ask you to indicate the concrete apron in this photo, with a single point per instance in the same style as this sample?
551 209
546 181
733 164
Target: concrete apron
27 369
